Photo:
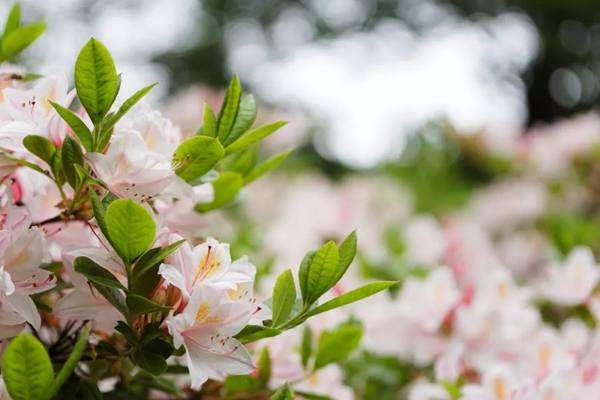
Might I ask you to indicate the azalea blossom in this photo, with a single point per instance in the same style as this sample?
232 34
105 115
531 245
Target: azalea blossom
130 170
573 282
207 263
206 328
32 106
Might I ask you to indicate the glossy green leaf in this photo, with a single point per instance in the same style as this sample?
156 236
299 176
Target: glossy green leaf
56 167
114 297
71 154
253 136
303 272
336 345
95 79
26 368
347 252
99 212
283 393
266 166
196 156
226 187
321 273
40 146
150 362
252 333
210 122
26 164
152 331
243 121
84 176
354 295
20 38
243 162
107 128
146 262
131 228
96 274
77 126
229 109
13 21
127 332
71 363
284 297
140 305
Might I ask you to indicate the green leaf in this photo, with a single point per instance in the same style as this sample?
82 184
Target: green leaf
40 146
244 119
84 176
306 350
146 262
321 273
20 38
124 109
127 332
99 212
197 155
13 21
69 366
283 393
26 368
26 164
147 283
243 162
131 228
96 274
150 362
336 345
264 368
71 154
95 79
141 305
226 187
56 167
354 295
210 123
114 297
267 165
312 396
160 347
77 126
238 383
303 273
284 297
31 77
253 136
229 109
252 333
152 331
347 251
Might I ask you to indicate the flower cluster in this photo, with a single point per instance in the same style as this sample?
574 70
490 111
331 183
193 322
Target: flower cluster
498 298
105 254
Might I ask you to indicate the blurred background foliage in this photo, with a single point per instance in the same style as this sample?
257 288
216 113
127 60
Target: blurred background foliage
569 33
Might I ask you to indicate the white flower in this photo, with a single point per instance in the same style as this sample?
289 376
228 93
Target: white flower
425 241
207 263
131 170
573 282
206 329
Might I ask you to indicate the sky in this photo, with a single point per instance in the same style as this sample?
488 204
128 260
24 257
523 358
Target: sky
366 89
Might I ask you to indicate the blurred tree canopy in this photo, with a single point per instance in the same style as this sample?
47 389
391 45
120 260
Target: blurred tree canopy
569 33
